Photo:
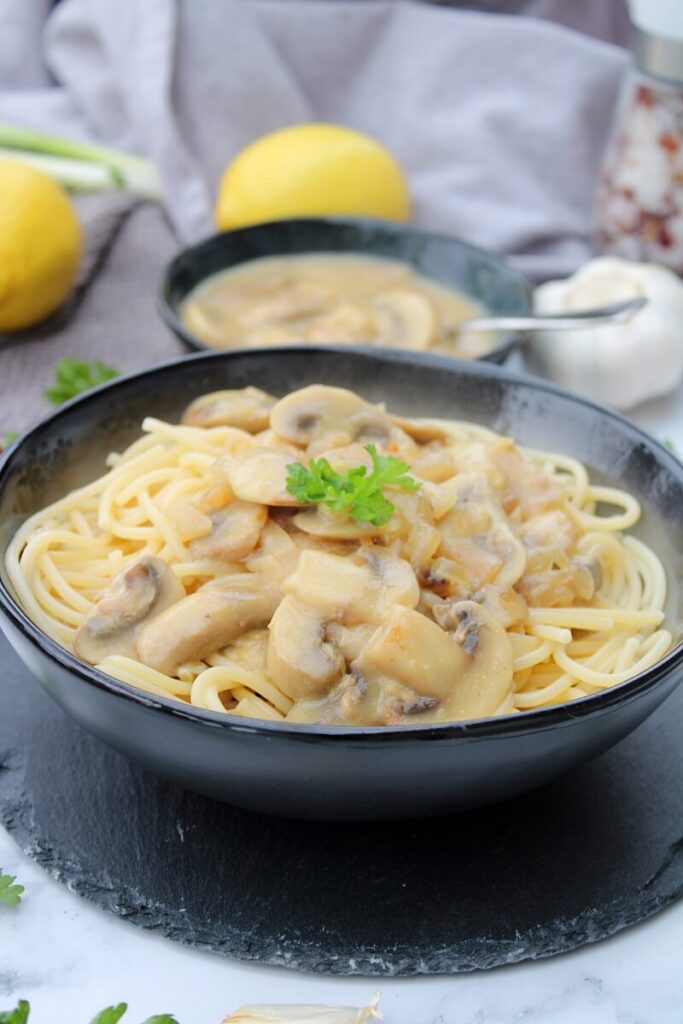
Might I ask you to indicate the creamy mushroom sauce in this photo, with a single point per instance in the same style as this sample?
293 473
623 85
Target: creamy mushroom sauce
322 297
190 569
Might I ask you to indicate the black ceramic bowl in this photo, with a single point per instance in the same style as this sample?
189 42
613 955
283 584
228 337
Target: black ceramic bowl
327 772
479 275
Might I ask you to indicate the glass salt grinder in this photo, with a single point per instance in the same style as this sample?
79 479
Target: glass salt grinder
639 207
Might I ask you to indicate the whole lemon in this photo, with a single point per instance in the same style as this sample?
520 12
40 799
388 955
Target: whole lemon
40 245
308 170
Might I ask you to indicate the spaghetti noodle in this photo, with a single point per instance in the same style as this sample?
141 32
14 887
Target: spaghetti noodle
505 583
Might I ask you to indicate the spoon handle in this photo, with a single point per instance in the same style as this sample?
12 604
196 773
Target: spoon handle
617 313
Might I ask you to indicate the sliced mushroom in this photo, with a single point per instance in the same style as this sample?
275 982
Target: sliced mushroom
320 522
135 596
406 318
334 416
301 659
346 322
421 430
414 651
401 704
260 476
485 676
204 622
348 457
269 439
235 532
360 591
294 300
356 700
245 408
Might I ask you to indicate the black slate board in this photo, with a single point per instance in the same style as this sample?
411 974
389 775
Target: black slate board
544 873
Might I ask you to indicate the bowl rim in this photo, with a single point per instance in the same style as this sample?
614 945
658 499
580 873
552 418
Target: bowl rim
168 310
499 727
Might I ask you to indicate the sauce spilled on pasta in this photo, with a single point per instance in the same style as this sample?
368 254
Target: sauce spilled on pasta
496 580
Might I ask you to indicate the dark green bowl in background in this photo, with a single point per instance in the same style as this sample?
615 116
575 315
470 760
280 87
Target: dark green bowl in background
477 274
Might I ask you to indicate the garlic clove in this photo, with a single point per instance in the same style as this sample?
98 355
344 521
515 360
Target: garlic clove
305 1014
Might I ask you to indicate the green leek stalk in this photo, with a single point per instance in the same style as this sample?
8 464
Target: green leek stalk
81 166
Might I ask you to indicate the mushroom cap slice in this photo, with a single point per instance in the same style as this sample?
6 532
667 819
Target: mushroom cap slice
204 622
467 669
320 522
406 318
358 591
135 595
486 680
292 301
421 430
334 415
301 659
414 651
236 531
260 477
245 408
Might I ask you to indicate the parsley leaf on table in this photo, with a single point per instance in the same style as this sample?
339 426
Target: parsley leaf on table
73 376
356 492
10 894
110 1015
19 1015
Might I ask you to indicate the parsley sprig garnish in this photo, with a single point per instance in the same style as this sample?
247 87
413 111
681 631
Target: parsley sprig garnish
73 376
356 492
9 892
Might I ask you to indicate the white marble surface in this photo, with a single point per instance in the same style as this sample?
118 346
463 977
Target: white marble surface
70 959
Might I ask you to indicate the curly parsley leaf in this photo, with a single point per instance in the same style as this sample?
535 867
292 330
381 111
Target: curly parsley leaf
73 376
110 1015
10 893
356 492
19 1015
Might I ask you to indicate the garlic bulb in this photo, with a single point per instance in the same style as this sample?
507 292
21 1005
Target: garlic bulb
620 364
306 1014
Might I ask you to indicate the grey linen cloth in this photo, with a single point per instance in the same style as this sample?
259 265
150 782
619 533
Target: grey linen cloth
499 122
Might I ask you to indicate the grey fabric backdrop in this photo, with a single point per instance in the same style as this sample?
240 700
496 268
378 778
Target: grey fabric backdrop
499 121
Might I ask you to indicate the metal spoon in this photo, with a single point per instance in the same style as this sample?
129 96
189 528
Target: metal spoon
617 313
